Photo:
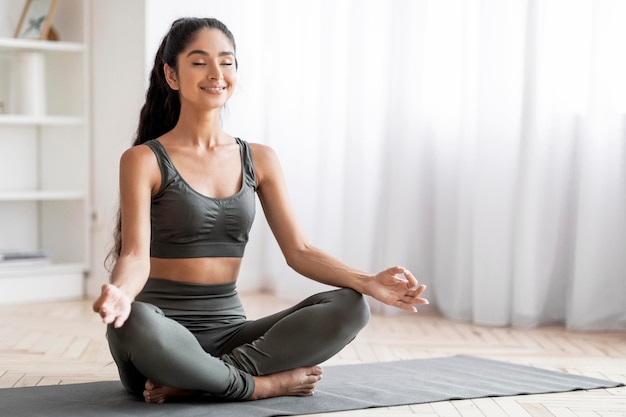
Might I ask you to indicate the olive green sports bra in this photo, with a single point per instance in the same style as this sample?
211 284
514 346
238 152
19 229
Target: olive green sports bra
187 224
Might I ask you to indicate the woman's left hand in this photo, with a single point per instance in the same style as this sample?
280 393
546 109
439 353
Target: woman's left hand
387 286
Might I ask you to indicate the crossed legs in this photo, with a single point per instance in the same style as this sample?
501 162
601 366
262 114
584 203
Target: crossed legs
273 356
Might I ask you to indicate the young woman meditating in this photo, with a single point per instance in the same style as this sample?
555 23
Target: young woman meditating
176 326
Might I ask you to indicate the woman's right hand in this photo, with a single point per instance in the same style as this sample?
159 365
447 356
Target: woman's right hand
113 305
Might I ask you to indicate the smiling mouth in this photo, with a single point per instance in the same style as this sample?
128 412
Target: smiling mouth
213 89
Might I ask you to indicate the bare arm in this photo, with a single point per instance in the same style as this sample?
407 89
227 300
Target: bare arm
138 179
314 263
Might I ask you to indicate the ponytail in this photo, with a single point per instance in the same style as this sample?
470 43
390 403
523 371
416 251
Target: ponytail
160 112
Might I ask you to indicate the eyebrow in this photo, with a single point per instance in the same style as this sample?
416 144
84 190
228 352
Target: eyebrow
201 52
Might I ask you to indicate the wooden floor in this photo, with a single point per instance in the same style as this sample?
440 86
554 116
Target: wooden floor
63 343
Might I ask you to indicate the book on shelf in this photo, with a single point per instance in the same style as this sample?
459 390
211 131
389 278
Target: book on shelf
24 258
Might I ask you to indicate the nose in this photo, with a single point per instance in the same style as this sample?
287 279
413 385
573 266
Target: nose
215 72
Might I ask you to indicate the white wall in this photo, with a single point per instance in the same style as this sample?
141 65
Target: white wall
10 13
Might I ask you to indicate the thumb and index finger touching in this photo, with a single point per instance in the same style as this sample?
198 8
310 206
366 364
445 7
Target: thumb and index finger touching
110 306
400 270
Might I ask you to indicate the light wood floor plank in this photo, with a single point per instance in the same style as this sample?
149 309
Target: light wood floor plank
445 409
511 407
467 408
536 410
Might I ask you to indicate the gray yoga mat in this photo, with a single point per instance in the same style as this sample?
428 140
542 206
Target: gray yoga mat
346 387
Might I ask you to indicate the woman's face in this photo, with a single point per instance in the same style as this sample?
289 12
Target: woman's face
206 75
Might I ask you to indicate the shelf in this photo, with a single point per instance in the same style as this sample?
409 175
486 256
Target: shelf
27 120
15 269
36 283
52 195
38 45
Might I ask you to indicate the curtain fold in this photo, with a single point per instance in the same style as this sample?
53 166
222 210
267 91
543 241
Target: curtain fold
479 143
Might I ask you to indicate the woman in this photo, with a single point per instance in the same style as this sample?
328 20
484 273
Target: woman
175 324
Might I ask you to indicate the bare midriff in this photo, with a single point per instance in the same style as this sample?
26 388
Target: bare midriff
196 270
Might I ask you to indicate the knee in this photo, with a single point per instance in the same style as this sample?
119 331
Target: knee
352 308
140 322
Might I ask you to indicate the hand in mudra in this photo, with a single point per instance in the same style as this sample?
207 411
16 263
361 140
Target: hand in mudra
401 292
113 305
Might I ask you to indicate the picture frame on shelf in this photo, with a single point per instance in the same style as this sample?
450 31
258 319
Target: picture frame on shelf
36 20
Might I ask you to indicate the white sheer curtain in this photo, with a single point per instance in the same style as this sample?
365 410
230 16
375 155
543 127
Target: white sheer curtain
479 143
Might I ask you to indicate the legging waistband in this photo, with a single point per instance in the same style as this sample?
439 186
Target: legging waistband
162 285
194 305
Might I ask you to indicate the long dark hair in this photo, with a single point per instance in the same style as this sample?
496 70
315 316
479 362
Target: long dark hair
160 112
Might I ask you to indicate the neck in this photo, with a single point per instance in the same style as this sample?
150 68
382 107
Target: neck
200 128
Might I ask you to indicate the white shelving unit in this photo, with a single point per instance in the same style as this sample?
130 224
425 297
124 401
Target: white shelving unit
25 120
44 174
37 45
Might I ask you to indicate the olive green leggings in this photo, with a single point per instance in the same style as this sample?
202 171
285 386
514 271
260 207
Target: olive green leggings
196 337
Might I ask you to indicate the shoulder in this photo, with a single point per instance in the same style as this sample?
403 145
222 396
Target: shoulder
266 163
264 157
139 164
138 155
262 152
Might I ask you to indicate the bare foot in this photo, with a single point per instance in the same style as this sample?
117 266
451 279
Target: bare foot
298 382
159 394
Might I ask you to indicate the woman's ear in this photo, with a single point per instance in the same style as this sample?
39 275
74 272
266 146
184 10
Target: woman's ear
170 77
